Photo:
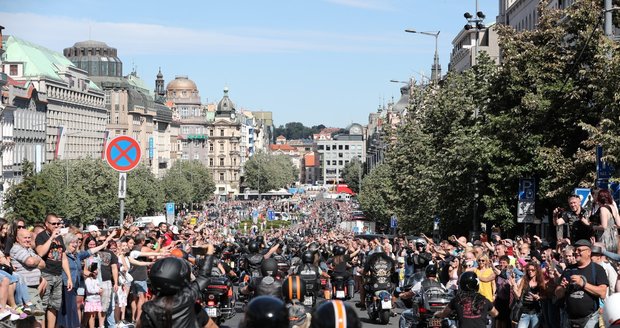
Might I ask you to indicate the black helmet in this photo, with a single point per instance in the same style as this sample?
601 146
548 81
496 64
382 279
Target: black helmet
307 257
260 240
468 282
339 250
335 314
169 275
430 271
265 311
294 288
254 247
269 267
419 244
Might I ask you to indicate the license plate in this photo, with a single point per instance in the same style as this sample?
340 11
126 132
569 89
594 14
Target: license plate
386 305
212 312
340 294
308 301
434 323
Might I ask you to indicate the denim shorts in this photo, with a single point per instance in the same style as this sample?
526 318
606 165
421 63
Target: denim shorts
139 287
11 277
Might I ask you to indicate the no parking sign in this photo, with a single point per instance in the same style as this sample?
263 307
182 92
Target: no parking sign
123 153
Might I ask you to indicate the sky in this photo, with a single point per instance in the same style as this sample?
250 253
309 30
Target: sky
311 61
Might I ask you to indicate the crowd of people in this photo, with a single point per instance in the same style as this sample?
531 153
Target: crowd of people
63 276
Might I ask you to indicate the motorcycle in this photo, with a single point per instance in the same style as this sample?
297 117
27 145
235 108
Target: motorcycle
426 303
339 288
379 305
218 300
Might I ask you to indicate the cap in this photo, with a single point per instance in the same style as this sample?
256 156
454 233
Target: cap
545 245
597 250
401 259
175 230
92 228
583 242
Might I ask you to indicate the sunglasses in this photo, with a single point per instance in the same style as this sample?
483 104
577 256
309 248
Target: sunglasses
21 227
54 223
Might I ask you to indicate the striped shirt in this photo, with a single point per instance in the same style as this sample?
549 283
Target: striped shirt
19 255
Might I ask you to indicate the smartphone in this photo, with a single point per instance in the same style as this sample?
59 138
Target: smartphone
93 267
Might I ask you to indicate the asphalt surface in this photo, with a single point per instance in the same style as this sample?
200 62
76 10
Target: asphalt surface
363 315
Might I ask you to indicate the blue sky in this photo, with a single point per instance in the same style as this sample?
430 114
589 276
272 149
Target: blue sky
311 61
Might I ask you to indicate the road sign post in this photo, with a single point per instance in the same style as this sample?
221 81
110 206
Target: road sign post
123 154
527 199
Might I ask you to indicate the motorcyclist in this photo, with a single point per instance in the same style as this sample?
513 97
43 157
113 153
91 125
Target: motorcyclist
379 271
294 291
429 282
255 257
309 272
269 284
335 314
340 267
472 308
421 258
265 311
176 295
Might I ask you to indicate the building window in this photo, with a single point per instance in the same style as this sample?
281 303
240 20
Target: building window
221 162
221 132
13 69
320 147
211 147
346 147
234 161
221 176
210 161
211 132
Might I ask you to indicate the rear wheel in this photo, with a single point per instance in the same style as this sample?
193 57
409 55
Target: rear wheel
384 317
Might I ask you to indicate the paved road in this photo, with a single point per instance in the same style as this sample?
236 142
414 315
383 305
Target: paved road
366 323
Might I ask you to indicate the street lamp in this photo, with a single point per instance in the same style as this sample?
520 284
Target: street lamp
436 68
359 177
476 23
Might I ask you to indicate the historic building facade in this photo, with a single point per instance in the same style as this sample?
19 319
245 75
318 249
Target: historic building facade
225 147
76 115
132 109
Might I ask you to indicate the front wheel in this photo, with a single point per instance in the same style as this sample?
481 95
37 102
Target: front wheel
384 317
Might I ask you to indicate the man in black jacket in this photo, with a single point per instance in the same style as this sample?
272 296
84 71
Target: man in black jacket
176 295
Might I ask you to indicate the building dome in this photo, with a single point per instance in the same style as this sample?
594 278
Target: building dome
181 83
225 106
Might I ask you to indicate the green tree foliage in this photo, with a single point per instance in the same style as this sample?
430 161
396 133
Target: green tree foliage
538 114
378 194
351 174
296 130
188 182
87 189
264 172
28 200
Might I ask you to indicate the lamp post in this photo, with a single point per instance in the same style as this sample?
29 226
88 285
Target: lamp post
476 23
436 68
359 177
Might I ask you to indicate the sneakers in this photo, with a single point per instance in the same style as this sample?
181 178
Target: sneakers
4 313
17 314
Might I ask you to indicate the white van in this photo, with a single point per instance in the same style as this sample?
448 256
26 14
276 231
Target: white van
142 221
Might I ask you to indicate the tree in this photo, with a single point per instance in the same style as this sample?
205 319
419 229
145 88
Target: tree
264 172
28 199
188 182
377 196
144 192
351 174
